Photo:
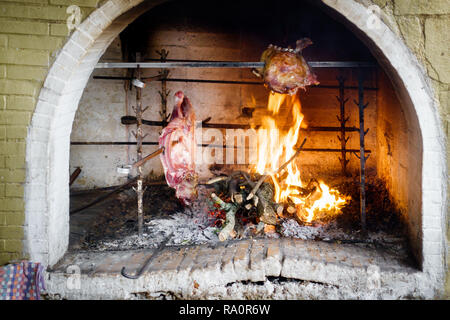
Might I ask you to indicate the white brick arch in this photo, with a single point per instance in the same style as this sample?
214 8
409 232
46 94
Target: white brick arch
48 141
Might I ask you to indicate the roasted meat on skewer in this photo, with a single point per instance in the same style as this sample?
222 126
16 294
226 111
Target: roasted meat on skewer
285 69
178 140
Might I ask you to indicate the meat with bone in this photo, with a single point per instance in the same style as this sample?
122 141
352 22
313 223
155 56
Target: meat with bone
285 69
178 140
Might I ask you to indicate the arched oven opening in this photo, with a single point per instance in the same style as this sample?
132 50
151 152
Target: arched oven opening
320 185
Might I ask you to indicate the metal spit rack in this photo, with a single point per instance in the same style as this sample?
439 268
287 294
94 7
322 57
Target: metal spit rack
139 82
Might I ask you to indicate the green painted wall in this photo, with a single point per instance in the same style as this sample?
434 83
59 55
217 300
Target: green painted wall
31 33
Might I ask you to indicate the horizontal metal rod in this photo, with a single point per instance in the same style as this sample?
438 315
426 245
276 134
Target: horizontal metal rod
205 145
225 82
317 64
109 143
126 143
256 83
130 120
330 129
170 65
332 150
224 64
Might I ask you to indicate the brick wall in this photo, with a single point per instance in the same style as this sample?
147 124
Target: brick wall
32 31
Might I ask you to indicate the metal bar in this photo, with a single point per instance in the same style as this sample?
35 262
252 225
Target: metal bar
74 175
204 145
341 64
320 86
128 120
105 196
109 143
362 153
171 65
334 150
254 83
330 64
342 119
148 157
164 93
330 129
139 139
259 83
224 64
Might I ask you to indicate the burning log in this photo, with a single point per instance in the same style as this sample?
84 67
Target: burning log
291 210
315 201
279 208
301 213
269 228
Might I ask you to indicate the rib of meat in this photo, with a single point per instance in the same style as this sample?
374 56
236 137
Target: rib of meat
178 140
285 69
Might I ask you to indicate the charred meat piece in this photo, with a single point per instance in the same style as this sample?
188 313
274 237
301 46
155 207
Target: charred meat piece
178 140
285 69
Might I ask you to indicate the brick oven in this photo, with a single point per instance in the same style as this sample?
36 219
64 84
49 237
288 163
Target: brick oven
335 191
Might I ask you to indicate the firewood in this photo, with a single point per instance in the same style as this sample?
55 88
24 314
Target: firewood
268 228
257 186
232 189
265 205
266 212
230 220
291 209
314 196
238 198
255 201
216 179
279 208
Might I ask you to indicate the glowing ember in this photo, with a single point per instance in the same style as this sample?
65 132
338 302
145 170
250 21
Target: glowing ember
276 147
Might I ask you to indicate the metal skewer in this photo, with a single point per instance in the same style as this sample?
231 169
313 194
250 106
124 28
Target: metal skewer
362 153
224 64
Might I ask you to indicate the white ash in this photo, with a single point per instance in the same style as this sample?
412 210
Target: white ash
193 226
331 232
290 228
179 229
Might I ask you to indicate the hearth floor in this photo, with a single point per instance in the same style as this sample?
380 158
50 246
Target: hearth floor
250 250
193 271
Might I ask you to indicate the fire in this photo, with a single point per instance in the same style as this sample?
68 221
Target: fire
275 147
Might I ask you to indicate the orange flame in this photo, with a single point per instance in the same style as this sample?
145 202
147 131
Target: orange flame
275 147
